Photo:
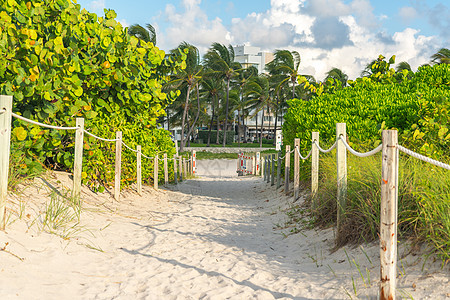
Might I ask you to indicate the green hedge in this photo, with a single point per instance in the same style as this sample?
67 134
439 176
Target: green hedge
203 135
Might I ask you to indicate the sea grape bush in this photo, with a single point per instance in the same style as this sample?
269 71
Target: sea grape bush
415 104
61 62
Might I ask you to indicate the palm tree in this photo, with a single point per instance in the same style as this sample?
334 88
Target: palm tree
211 89
441 57
337 74
220 59
241 80
147 34
286 64
186 80
403 66
257 93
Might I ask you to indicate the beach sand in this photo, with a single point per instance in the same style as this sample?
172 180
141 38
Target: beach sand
217 236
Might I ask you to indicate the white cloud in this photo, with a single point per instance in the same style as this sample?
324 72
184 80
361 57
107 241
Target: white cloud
193 26
407 14
124 23
326 33
98 6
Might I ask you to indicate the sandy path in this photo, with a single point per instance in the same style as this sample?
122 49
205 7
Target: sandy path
209 238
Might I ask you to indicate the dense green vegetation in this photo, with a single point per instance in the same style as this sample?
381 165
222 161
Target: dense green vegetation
417 105
61 62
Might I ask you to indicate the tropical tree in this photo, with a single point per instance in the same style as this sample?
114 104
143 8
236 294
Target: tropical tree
240 81
337 74
441 57
403 66
211 90
147 33
286 64
220 59
186 80
257 93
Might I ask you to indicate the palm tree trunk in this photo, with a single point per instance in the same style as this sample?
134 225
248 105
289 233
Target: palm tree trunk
239 127
226 114
276 119
196 115
211 125
256 132
293 89
262 128
183 122
217 135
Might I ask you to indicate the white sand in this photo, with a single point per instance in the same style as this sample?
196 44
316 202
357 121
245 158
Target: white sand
215 237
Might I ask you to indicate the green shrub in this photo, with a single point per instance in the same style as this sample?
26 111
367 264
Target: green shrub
60 62
203 135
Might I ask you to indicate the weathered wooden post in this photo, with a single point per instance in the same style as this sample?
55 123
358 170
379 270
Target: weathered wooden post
272 179
296 169
258 163
78 160
155 172
5 148
118 165
184 167
166 171
341 160
279 170
139 169
314 169
287 167
264 168
175 171
194 162
269 164
253 164
388 222
180 165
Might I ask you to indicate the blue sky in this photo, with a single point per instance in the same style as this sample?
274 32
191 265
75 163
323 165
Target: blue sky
327 33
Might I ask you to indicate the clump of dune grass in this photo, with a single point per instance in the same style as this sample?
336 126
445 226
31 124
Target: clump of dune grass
423 202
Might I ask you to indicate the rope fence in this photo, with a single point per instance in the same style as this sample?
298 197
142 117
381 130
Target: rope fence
271 167
186 167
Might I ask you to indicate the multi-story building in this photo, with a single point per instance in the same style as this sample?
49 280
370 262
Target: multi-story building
249 56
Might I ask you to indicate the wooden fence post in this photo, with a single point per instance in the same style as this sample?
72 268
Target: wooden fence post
388 222
139 169
118 165
264 167
269 163
341 160
184 167
279 170
194 162
258 163
253 164
166 171
78 160
5 148
296 169
180 165
314 169
155 172
272 179
287 166
175 171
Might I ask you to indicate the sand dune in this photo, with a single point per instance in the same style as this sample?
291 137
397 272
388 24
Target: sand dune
218 236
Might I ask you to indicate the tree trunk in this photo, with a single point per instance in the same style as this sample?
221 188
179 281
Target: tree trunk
256 132
226 114
196 116
211 125
239 128
262 128
276 119
293 89
183 122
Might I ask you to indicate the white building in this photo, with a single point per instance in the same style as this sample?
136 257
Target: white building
249 56
252 56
